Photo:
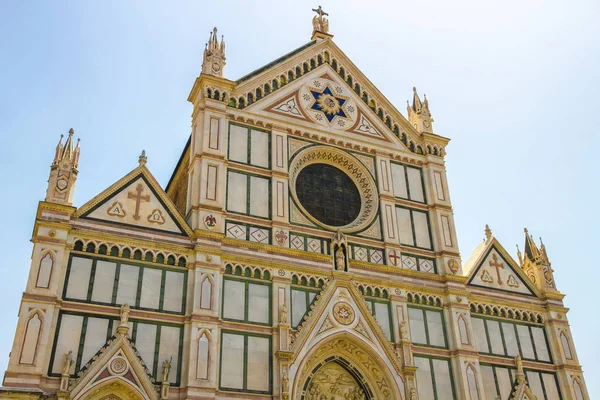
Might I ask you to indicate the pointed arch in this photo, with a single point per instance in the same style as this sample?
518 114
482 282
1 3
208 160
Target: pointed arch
45 269
472 382
566 345
31 338
463 330
206 292
355 353
114 387
578 389
204 342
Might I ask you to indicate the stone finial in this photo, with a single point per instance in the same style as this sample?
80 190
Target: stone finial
166 368
213 62
488 232
143 159
519 255
123 327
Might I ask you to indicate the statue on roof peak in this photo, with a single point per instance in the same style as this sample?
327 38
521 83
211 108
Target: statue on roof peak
320 23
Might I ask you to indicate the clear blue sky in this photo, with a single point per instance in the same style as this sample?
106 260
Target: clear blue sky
513 83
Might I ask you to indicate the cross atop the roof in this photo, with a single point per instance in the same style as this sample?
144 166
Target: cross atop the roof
320 23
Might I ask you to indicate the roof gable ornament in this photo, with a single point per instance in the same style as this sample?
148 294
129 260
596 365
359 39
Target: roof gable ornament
536 264
320 25
63 171
213 62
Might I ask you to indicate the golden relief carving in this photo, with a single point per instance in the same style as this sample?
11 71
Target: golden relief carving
343 313
333 382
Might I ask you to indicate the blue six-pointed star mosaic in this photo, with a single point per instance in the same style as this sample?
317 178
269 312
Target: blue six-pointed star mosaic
328 104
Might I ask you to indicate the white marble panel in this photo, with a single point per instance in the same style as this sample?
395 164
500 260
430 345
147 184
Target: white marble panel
68 340
128 283
95 338
145 342
424 378
415 184
234 299
169 349
258 363
417 326
399 181
404 226
421 229
79 278
151 281
258 303
237 195
173 291
259 196
259 148
104 281
238 143
232 361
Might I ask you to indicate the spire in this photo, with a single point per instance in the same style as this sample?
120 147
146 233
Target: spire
488 232
531 249
520 256
63 171
142 159
213 62
418 114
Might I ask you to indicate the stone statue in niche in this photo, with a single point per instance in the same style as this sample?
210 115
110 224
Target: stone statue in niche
340 259
339 246
283 314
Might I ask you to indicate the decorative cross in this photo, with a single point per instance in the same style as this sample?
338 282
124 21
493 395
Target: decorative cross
137 196
320 11
393 257
497 265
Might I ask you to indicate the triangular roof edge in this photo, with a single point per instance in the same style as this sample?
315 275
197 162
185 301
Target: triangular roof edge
308 324
258 76
145 173
99 362
493 243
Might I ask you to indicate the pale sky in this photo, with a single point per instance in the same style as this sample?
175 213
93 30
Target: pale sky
513 83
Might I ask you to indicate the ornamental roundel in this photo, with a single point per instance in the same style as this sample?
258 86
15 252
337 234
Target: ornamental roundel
343 313
328 103
333 189
117 366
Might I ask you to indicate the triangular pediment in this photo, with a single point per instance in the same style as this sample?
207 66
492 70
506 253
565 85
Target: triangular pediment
493 268
117 365
341 309
278 89
136 200
323 99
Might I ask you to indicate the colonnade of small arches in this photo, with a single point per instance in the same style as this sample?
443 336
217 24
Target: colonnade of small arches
133 253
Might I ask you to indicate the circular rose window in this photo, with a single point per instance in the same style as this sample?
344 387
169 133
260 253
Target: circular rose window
328 194
333 189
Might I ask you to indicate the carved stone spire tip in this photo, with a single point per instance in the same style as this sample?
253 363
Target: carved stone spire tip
488 232
142 159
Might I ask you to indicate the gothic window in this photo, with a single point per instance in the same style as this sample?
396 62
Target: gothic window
408 182
413 228
203 359
328 194
472 383
427 327
434 378
508 339
45 271
30 340
249 146
463 330
578 390
246 362
248 194
206 293
108 282
566 346
246 301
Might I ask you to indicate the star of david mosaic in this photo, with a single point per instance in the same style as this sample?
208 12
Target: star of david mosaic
328 103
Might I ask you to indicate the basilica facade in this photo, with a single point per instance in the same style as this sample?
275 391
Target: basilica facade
304 248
